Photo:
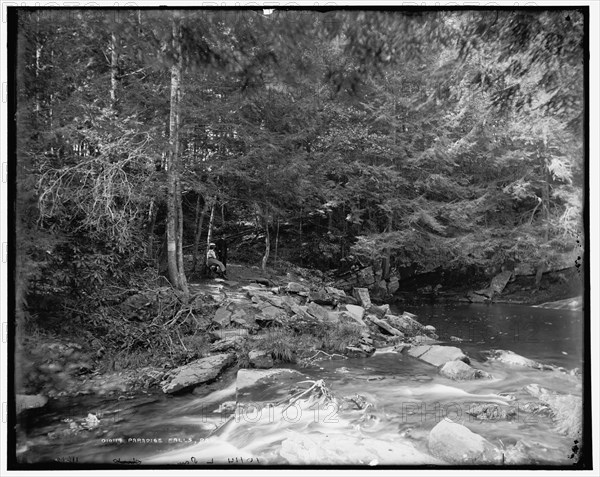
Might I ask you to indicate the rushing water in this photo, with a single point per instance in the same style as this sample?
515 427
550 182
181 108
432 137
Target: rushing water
406 399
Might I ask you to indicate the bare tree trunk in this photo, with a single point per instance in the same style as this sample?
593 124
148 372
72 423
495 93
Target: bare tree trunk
210 224
150 229
180 265
277 240
198 229
38 59
265 219
172 167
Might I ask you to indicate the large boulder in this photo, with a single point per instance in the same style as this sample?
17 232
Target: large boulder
437 355
197 372
499 281
456 444
460 371
340 449
29 401
319 312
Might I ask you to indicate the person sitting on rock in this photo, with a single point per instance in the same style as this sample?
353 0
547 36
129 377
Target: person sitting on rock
211 259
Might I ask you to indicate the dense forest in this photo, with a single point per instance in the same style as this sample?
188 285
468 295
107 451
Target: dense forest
447 141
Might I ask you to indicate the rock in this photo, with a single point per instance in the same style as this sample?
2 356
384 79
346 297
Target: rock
567 409
423 339
339 294
356 311
318 312
393 285
196 372
231 333
459 370
362 295
499 282
437 355
29 401
456 444
295 287
357 352
366 277
265 385
457 339
508 357
475 297
320 297
222 316
384 325
405 323
347 317
340 449
227 344
491 411
260 359
429 329
380 311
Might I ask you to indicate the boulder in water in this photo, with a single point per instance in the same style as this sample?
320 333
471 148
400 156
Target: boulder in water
338 449
197 372
508 357
456 444
458 370
567 409
437 355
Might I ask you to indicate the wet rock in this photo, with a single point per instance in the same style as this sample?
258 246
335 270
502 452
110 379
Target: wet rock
458 370
456 444
477 297
508 357
260 359
437 355
196 372
339 449
362 295
265 385
491 412
567 409
499 282
360 351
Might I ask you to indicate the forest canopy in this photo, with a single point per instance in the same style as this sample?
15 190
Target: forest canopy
437 139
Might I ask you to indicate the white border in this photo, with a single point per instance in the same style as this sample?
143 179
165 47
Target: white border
594 157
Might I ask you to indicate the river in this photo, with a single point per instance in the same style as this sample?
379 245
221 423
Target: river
406 397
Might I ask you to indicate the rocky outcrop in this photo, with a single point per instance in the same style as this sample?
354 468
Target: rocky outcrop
197 372
437 355
461 371
456 444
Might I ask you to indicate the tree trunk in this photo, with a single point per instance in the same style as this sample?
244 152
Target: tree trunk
180 264
174 220
210 226
198 229
267 243
150 229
